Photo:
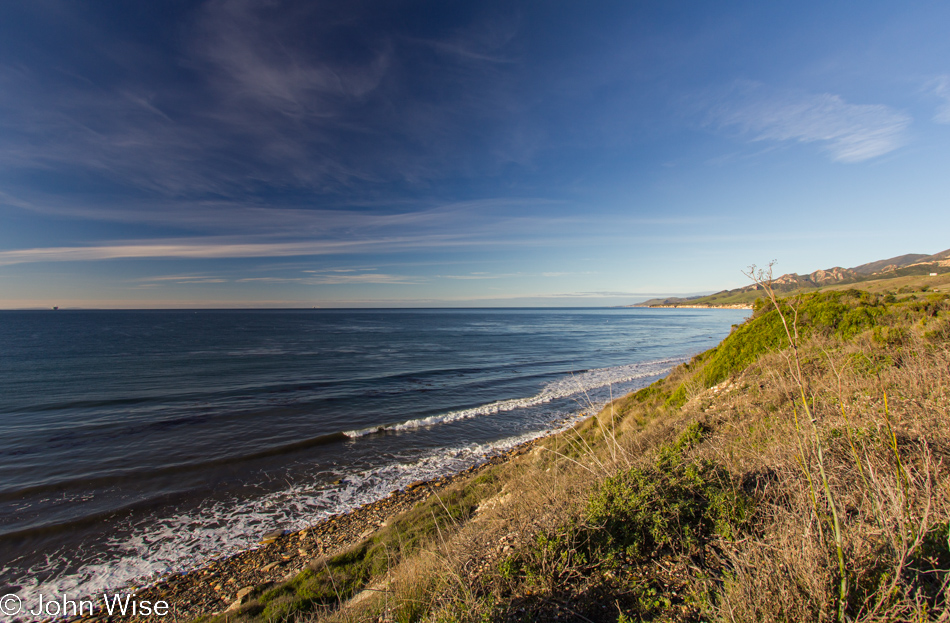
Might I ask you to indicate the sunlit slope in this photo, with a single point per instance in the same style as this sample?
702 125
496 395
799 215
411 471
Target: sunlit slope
903 274
798 471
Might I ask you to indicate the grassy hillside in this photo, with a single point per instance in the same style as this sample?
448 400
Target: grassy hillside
909 279
785 475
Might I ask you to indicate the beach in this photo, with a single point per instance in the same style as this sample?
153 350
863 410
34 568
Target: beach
224 583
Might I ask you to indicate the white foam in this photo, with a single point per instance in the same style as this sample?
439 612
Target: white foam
184 541
140 553
570 385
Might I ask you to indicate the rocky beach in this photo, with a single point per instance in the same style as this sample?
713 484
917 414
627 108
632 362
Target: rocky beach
224 584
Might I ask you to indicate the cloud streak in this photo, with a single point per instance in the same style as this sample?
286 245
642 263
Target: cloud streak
327 277
248 56
340 279
941 88
298 96
217 250
848 132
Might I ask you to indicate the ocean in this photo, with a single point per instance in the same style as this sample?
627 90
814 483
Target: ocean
135 443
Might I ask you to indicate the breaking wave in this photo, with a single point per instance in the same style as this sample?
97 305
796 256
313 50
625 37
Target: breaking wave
566 387
151 546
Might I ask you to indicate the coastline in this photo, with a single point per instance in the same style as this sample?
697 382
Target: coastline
655 581
221 583
733 306
210 582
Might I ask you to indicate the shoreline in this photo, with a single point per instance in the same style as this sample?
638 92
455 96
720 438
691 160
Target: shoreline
220 583
734 306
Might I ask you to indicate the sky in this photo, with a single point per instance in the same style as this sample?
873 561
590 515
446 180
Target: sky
241 153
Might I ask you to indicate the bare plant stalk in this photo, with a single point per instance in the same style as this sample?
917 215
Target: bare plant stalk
613 437
839 539
879 517
892 438
802 461
811 483
763 278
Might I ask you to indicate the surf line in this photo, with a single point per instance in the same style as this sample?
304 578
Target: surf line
562 388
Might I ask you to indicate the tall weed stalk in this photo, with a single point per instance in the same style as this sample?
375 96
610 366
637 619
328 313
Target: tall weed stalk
763 278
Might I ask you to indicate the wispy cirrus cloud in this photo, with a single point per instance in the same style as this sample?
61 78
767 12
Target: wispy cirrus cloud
186 278
257 96
483 275
849 132
182 280
940 86
339 279
209 249
477 276
254 231
343 276
256 217
245 48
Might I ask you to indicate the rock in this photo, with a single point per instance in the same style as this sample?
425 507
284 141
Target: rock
272 536
209 591
241 597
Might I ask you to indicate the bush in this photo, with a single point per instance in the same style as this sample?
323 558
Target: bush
675 504
842 314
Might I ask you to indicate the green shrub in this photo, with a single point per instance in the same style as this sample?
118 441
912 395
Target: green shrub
842 314
654 389
675 504
678 397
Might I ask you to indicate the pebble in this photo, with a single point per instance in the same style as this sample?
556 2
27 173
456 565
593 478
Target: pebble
244 592
272 536
193 595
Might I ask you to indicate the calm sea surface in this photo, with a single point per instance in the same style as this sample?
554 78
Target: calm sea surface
140 442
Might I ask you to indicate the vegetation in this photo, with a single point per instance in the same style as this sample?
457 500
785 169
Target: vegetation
676 504
327 582
796 472
904 274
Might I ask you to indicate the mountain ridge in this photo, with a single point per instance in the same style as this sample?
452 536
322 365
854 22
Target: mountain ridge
907 265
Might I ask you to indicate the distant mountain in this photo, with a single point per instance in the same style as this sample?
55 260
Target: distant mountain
900 266
815 279
668 302
892 264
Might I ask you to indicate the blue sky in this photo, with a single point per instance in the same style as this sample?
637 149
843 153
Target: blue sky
242 153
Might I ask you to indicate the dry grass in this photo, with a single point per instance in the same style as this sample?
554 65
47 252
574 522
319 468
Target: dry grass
742 527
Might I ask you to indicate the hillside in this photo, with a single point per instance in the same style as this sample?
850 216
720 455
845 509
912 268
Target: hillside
799 475
890 264
914 270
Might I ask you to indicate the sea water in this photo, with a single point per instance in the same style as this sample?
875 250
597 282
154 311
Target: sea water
134 443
